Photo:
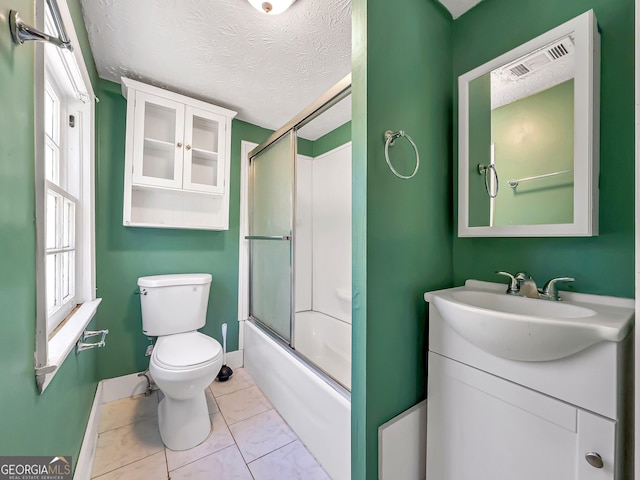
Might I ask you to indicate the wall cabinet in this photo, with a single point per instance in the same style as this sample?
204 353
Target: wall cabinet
177 160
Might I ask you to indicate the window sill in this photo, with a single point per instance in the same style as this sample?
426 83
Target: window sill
64 341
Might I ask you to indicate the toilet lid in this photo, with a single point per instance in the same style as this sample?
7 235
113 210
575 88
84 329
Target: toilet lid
186 350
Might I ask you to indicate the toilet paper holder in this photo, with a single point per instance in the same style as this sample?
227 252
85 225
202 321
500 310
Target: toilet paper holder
82 345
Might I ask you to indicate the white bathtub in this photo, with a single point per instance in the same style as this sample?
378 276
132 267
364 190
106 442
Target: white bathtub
317 413
326 341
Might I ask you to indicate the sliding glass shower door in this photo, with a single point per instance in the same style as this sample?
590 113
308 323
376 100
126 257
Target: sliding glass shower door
271 207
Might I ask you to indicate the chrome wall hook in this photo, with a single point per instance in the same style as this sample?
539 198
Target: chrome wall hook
82 346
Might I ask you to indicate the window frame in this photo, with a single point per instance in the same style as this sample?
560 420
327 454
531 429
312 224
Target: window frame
52 348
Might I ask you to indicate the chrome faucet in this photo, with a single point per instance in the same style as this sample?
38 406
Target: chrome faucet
523 285
514 287
550 290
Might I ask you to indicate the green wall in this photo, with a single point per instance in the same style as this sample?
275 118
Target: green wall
479 149
603 264
544 144
333 139
125 253
305 147
52 423
402 228
336 137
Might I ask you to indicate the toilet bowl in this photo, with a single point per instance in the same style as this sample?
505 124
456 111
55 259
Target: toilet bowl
183 365
184 361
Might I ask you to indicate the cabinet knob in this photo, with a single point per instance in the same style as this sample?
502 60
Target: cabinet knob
594 459
188 147
179 145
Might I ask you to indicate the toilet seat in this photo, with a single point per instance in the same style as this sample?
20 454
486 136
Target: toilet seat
184 351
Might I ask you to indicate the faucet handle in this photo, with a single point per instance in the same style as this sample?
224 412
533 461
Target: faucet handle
550 290
514 285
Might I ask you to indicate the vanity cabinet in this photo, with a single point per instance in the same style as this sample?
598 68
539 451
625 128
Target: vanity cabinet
496 417
177 160
488 427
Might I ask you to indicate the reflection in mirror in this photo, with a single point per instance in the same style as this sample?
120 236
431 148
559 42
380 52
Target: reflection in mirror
521 136
529 137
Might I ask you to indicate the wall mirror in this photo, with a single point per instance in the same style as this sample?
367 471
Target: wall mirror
529 138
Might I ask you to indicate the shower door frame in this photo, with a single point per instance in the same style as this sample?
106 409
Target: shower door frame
335 94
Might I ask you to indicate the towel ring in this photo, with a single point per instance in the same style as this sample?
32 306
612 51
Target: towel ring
390 138
484 170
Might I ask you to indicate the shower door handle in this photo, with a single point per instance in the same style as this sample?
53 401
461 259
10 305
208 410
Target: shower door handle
268 237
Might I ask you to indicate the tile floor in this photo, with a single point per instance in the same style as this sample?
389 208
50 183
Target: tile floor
249 440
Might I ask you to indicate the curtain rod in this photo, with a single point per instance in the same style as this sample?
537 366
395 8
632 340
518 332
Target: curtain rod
22 32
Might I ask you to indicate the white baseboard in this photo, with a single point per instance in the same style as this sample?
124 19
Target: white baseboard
402 445
123 387
235 359
84 465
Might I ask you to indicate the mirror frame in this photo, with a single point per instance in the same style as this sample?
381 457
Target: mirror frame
586 134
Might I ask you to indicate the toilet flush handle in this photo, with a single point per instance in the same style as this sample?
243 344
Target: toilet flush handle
142 291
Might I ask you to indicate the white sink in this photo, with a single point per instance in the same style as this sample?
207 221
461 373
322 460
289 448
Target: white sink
526 329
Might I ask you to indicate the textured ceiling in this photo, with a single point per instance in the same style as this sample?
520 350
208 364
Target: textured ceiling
267 68
458 7
505 89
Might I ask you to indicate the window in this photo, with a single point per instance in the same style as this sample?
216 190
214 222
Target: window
62 165
64 178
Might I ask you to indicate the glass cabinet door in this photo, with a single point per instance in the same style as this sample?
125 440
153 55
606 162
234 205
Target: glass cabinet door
158 141
204 151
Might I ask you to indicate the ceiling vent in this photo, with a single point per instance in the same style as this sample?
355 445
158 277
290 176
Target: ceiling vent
539 59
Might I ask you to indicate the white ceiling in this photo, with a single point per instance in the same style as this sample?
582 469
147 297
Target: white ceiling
267 68
505 89
458 7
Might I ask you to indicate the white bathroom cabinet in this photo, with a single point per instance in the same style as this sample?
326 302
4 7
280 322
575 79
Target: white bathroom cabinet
499 419
491 428
177 160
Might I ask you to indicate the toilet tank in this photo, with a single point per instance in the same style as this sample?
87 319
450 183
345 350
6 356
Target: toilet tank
173 303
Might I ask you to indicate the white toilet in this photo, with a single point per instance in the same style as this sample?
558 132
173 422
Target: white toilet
184 361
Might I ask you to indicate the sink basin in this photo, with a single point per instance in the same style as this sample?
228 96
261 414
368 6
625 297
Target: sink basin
512 304
527 329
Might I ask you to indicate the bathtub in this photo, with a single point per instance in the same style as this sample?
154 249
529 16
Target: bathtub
326 342
316 411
